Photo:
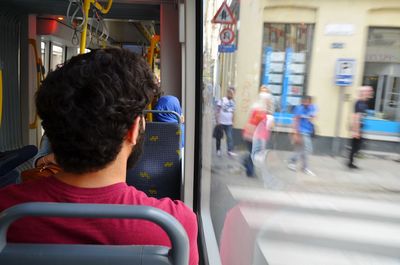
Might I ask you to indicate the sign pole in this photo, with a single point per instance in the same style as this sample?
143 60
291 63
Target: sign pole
336 140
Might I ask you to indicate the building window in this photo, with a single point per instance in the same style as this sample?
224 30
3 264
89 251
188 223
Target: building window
286 55
382 72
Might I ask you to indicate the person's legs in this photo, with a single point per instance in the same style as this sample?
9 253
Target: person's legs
258 149
355 147
229 137
307 150
218 144
296 153
248 162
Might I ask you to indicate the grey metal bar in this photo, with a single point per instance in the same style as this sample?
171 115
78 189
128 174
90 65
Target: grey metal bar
379 90
175 231
398 98
387 93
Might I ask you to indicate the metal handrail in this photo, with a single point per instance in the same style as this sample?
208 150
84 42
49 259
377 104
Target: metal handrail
175 231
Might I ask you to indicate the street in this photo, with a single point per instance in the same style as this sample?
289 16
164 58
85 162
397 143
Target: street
339 216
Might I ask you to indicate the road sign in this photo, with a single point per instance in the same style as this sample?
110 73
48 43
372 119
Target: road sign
227 36
224 15
344 71
227 48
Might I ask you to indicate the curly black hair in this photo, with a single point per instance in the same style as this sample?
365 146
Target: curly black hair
88 105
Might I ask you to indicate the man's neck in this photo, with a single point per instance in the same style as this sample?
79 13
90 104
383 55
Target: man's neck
114 173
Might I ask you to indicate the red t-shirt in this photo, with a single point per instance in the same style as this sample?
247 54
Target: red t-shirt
93 231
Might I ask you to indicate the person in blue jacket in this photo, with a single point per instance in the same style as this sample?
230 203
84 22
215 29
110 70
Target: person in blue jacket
170 103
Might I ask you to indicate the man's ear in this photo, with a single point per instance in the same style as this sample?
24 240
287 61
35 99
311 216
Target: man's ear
134 131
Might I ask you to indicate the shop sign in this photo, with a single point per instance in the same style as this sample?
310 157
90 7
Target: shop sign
276 67
297 68
296 90
275 89
339 29
296 79
298 57
278 57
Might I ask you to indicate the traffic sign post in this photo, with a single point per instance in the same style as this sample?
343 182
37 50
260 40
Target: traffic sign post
344 75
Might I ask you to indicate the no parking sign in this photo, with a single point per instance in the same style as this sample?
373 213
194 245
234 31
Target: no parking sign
227 36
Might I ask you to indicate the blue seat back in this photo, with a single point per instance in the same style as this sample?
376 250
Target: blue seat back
10 160
159 172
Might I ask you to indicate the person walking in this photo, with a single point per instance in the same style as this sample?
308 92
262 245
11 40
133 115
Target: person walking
357 124
258 113
225 116
303 130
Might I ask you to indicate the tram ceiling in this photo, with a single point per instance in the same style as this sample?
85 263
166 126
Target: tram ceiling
123 9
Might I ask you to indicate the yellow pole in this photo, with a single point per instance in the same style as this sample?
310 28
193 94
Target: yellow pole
86 7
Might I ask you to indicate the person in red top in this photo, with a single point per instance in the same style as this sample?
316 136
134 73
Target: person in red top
258 113
92 111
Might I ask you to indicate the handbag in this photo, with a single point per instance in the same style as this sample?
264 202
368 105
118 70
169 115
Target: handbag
218 132
36 173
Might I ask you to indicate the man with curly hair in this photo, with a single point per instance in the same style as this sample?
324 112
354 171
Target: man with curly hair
92 111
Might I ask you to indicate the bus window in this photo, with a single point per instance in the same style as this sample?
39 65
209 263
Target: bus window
300 132
57 56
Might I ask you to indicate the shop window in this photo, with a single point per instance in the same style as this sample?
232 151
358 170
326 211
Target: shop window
382 72
286 54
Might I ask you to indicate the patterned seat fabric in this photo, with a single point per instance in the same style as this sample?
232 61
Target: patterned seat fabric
158 172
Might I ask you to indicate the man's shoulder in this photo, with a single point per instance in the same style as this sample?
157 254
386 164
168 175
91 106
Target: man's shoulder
173 207
16 193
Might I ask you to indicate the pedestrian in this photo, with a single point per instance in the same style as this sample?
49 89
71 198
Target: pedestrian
258 112
225 116
303 130
357 123
262 133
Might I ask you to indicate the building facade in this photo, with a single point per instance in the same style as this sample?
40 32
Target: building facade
296 47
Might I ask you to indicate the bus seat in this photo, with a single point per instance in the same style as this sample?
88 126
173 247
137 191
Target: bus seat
158 172
9 160
79 254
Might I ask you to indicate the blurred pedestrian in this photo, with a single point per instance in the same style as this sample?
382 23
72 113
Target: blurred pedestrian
258 113
360 109
303 130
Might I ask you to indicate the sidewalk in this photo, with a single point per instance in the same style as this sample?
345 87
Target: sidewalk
376 176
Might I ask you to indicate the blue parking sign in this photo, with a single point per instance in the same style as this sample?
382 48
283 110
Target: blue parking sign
344 71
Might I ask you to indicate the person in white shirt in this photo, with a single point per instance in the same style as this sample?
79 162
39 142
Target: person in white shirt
225 114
